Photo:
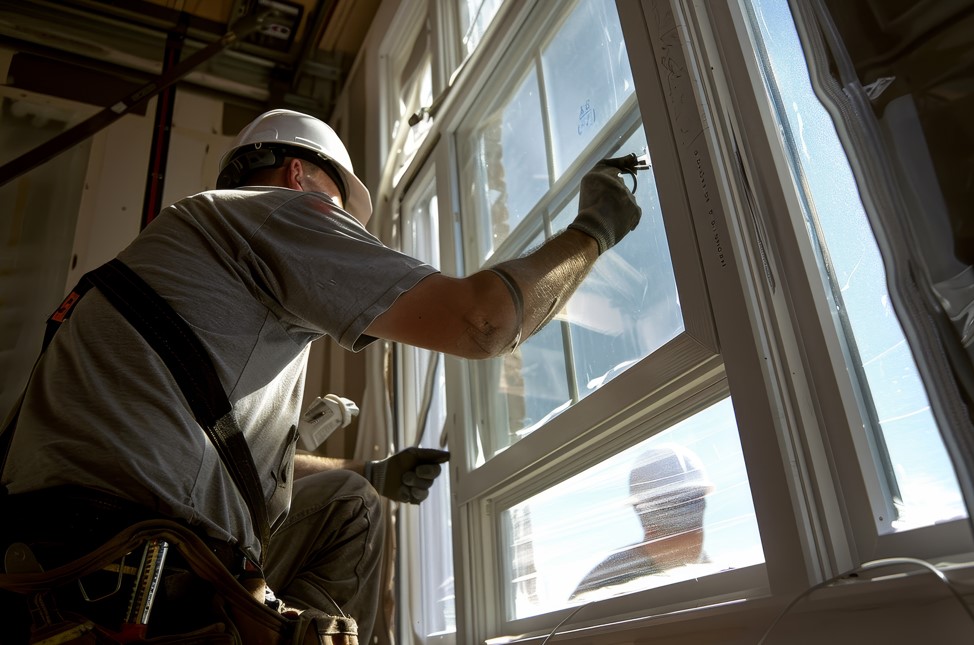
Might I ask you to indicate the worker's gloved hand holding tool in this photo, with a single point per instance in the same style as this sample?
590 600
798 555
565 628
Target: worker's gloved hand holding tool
407 475
607 210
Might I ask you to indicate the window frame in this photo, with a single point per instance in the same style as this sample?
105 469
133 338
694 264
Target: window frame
857 503
546 455
723 183
697 344
408 402
883 202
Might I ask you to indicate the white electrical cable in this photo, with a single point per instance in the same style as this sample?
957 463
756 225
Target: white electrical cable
563 621
873 564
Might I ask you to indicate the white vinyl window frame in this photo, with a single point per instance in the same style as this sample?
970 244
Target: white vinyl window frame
723 192
857 132
696 346
832 415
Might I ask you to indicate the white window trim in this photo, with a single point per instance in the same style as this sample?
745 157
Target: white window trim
853 502
787 393
408 402
667 32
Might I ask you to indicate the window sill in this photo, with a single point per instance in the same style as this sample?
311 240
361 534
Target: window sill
890 605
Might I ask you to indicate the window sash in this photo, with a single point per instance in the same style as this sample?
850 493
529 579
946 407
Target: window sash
687 362
697 315
809 339
420 408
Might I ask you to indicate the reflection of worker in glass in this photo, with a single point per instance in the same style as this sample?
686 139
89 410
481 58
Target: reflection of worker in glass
668 487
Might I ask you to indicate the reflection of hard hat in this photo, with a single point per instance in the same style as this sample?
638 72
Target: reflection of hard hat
297 135
668 474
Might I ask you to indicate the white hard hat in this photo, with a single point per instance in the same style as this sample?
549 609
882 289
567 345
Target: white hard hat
298 135
668 474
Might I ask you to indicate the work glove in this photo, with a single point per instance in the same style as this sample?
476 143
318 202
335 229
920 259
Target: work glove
407 475
607 209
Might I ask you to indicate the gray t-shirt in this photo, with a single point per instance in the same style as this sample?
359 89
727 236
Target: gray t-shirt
258 273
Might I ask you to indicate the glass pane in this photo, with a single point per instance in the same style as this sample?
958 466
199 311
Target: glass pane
475 17
673 508
628 307
534 385
420 95
909 449
616 317
421 237
506 171
436 532
586 77
416 93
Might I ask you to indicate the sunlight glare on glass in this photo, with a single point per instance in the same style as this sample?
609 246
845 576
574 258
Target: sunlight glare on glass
854 273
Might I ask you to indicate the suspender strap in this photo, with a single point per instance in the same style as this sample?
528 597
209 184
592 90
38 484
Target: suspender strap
190 364
169 335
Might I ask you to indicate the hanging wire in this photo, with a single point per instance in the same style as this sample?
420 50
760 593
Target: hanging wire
563 621
873 564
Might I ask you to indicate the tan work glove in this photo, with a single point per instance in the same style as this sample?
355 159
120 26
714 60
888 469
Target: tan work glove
607 209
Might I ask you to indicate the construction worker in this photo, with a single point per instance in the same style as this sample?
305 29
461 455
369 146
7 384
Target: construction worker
668 488
276 257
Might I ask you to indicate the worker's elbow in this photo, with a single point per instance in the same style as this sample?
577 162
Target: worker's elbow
488 341
493 351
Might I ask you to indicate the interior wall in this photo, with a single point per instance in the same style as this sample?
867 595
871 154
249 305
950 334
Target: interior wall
38 210
110 211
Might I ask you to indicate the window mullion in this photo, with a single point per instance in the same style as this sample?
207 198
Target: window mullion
565 328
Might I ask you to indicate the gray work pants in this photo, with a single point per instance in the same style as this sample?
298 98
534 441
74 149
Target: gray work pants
328 552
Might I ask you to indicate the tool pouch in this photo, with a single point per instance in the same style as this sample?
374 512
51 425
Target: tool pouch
232 614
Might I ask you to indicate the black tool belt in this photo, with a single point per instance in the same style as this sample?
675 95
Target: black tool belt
48 529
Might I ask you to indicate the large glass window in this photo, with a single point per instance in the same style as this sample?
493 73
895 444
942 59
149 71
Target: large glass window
628 491
908 451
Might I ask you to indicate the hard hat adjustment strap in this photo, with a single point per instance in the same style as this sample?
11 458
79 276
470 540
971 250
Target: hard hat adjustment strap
259 156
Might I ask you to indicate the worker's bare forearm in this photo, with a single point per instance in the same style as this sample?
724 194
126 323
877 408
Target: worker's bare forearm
305 464
477 316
